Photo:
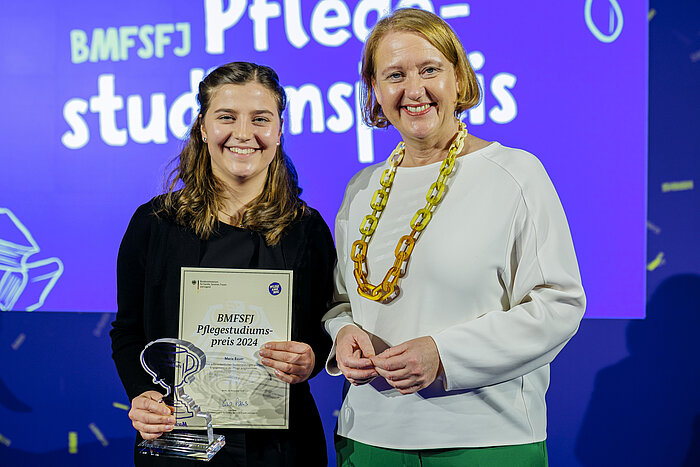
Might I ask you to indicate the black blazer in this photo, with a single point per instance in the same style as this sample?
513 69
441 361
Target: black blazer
148 289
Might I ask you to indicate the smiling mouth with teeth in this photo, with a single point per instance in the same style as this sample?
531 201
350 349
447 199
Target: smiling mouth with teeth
242 151
417 109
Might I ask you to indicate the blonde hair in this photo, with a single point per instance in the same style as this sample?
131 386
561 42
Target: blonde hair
193 193
436 31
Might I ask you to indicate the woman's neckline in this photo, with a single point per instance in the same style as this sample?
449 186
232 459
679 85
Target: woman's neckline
433 164
225 225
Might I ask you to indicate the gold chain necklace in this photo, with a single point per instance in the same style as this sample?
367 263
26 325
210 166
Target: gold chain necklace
388 289
240 221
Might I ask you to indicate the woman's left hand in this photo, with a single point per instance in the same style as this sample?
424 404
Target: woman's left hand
292 361
411 366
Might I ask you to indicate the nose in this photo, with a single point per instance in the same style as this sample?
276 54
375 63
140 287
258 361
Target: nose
414 87
242 130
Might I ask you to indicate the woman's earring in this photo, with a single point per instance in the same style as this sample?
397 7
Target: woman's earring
204 139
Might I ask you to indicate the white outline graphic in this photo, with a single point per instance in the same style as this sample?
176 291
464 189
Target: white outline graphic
615 12
457 10
16 273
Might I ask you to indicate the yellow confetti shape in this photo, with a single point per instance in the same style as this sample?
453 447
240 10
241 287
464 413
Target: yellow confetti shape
658 261
97 332
677 186
98 434
72 442
654 228
120 406
652 13
18 341
5 441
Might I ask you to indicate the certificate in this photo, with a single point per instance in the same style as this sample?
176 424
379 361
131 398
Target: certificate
229 314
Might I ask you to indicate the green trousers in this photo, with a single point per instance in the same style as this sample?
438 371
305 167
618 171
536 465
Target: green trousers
355 454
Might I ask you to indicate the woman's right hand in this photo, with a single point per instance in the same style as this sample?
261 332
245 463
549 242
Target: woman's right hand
150 416
352 351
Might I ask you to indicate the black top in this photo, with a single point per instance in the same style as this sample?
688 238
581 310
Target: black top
148 294
234 247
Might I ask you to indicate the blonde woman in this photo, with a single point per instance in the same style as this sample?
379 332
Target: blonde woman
457 280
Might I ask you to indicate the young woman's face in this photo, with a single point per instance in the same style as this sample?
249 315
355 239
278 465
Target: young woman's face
242 129
416 86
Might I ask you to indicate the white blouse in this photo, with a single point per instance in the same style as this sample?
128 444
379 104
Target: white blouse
493 279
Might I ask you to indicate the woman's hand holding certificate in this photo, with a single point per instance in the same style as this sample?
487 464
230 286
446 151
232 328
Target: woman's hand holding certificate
292 361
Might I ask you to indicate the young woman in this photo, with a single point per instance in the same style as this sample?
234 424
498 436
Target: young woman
233 202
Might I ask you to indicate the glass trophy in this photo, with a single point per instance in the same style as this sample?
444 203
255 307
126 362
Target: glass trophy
173 364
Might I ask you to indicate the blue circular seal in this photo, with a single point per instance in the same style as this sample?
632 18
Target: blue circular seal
275 288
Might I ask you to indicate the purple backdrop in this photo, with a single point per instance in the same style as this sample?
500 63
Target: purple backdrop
566 81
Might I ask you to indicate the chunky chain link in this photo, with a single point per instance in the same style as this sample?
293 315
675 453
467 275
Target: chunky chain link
388 289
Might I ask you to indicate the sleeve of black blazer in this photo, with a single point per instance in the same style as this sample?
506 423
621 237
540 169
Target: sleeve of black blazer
128 335
317 262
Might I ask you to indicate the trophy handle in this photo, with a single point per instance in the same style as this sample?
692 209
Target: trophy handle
192 366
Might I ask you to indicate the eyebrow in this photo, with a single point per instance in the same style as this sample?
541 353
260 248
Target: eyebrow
255 112
431 61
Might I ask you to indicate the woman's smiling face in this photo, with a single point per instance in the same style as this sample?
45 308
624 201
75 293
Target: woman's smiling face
416 86
242 128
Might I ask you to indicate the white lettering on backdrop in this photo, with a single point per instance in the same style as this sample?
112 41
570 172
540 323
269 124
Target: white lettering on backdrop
336 109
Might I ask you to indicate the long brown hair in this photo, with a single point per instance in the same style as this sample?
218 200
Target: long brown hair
440 35
193 193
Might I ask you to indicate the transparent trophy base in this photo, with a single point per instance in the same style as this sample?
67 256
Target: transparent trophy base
183 445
